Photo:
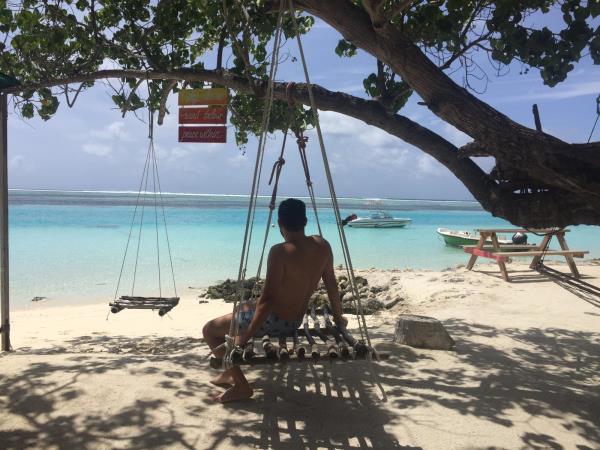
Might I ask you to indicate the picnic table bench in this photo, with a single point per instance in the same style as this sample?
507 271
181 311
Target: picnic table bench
501 254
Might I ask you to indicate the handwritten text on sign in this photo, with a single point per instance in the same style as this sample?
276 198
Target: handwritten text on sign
214 96
213 114
216 135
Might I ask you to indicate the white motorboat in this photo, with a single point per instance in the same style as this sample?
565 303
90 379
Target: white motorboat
379 219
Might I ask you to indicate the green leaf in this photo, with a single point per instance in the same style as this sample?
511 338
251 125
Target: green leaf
27 110
345 49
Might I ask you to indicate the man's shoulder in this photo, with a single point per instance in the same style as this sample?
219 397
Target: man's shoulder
320 240
278 248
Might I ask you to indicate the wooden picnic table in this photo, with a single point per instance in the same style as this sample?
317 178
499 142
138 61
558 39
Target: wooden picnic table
495 251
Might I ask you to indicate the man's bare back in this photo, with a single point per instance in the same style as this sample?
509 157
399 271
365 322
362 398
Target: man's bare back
295 269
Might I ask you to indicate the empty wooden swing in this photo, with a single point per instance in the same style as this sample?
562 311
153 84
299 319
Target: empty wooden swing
162 304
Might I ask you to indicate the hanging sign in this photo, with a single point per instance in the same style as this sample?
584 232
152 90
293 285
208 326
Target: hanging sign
214 96
203 106
212 134
210 115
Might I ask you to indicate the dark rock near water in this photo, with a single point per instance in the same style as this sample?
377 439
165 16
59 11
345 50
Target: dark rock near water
38 299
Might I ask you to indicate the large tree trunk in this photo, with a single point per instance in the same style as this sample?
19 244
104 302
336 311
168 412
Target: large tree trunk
546 160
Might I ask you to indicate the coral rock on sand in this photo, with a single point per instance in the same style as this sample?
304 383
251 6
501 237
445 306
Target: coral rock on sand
373 297
422 332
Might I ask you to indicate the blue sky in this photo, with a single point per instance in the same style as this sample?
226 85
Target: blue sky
90 147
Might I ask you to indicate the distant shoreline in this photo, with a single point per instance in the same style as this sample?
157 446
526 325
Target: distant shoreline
121 192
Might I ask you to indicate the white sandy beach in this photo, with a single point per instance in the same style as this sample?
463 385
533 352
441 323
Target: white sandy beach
525 374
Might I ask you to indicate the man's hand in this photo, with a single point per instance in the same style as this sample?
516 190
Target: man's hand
341 321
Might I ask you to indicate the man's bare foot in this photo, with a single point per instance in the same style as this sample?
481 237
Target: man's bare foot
235 393
223 380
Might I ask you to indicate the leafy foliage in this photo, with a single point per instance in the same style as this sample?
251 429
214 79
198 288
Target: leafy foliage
452 30
53 39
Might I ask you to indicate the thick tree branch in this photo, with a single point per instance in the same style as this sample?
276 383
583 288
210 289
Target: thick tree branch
472 149
545 157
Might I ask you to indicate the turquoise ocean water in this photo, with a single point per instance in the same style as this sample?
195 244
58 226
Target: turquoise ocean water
68 246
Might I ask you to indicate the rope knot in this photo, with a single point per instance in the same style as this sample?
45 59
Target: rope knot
302 140
229 345
276 171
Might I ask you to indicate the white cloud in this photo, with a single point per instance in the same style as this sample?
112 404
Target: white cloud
559 93
367 147
341 125
180 152
349 88
454 135
115 130
238 160
426 165
186 150
16 162
97 149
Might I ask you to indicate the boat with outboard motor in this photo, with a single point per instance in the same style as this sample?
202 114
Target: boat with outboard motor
454 238
379 219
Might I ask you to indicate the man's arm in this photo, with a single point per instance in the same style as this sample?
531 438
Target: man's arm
269 293
332 289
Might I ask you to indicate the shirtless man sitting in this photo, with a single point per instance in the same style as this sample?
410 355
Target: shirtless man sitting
294 269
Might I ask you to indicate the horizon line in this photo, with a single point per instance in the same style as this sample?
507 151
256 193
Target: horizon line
103 191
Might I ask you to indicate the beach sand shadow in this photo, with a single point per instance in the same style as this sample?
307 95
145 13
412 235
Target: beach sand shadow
549 373
291 404
552 373
287 412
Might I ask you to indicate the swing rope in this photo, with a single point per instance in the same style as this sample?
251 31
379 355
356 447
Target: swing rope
597 117
275 173
345 251
233 329
131 226
143 197
301 140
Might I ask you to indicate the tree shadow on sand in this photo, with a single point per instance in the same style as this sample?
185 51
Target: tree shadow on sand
39 395
282 415
294 397
552 373
549 373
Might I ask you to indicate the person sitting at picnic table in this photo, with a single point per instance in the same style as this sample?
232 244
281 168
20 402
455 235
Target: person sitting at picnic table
294 268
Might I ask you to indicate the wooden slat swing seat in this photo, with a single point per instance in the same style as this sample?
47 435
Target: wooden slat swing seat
337 342
163 304
160 303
